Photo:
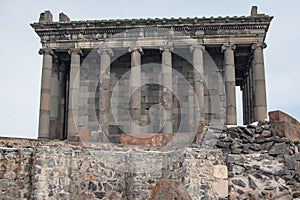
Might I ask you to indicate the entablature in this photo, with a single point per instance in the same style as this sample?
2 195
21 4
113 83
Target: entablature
209 29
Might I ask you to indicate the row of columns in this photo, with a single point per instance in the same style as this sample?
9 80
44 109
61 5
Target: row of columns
254 90
45 100
254 87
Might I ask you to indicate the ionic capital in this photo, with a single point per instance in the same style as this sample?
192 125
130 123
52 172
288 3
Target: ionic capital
226 47
103 50
166 47
46 51
75 51
135 48
258 46
196 48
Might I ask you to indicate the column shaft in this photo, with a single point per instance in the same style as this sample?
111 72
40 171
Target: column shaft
198 72
251 96
228 50
245 103
167 95
259 82
104 89
135 91
74 92
44 121
62 101
54 104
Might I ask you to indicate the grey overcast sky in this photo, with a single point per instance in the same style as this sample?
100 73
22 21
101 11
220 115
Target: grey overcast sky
21 64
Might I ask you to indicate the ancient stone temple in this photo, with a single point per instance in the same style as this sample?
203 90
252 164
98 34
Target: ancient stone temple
148 99
149 75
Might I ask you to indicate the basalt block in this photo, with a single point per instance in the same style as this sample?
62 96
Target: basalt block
283 125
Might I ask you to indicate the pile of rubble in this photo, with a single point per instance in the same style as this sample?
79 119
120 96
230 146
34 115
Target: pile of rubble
261 164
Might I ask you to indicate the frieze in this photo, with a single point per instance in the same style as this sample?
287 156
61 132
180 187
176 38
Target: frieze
100 29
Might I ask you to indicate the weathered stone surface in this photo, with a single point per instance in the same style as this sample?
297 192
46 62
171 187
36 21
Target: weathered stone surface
252 183
67 171
158 139
279 148
239 183
267 167
169 189
283 125
220 171
278 116
220 187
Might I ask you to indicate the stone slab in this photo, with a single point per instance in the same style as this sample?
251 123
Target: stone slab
148 139
220 187
283 125
220 171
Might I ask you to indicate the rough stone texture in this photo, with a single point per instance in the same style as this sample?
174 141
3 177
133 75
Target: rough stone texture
169 189
33 169
283 125
15 173
246 162
158 139
260 165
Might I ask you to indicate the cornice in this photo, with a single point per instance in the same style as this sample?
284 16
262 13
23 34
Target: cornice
187 25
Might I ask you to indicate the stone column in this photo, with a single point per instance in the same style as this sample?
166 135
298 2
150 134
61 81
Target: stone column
73 92
62 99
228 50
198 72
54 109
104 89
245 101
135 91
167 93
44 121
259 82
251 96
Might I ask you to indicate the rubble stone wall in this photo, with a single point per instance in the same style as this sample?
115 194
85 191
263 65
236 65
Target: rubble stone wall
260 165
241 162
58 170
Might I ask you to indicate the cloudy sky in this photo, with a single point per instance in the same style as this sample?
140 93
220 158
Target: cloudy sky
21 64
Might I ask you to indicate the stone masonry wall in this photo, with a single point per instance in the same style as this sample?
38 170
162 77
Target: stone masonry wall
260 165
244 163
58 170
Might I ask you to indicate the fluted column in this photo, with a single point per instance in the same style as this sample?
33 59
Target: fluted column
135 102
259 82
167 82
74 92
198 72
228 50
104 88
44 121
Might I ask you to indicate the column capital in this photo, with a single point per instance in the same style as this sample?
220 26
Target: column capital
167 47
196 47
135 48
228 47
258 46
107 50
75 51
46 51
